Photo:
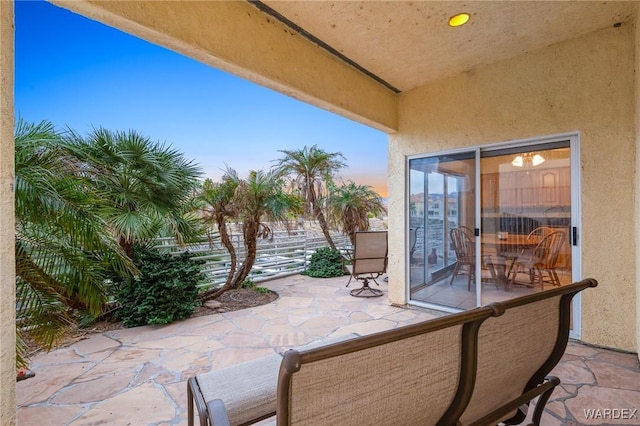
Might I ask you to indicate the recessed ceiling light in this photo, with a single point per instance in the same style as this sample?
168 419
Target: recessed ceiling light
459 19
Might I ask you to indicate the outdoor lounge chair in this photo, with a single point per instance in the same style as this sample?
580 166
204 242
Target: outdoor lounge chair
479 367
368 262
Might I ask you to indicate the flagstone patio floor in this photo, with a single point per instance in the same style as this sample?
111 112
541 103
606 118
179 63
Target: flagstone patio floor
138 376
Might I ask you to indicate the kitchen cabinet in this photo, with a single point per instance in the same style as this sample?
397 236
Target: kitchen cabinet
527 188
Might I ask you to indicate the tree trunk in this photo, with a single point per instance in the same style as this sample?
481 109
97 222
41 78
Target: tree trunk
127 246
325 227
251 246
226 241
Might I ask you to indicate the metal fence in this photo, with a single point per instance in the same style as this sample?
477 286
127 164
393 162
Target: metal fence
284 254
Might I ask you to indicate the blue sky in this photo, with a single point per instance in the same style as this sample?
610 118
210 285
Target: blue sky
81 74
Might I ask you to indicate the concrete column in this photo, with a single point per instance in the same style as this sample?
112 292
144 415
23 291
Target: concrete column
7 221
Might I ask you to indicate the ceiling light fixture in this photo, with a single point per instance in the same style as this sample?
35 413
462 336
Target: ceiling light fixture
537 160
527 157
459 19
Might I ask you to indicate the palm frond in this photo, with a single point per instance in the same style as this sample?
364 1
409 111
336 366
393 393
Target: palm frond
350 205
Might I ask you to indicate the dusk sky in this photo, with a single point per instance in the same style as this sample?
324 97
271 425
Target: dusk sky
81 74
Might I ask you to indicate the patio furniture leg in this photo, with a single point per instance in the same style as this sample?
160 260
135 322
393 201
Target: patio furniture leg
455 272
366 291
542 401
190 403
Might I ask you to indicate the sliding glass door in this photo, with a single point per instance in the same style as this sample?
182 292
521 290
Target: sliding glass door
441 199
526 218
512 233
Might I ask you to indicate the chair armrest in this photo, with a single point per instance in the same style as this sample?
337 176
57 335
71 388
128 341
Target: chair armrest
347 259
217 413
248 390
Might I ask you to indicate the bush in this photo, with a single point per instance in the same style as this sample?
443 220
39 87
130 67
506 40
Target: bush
325 263
165 291
249 284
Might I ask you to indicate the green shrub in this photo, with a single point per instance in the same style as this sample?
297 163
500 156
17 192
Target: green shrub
249 284
165 291
325 263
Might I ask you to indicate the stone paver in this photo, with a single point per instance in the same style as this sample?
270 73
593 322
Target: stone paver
138 376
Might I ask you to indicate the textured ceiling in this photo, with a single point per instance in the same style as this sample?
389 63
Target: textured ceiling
408 43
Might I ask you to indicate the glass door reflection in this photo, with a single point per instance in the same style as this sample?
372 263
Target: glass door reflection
441 199
526 197
525 194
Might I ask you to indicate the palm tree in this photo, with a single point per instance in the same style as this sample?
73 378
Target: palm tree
217 208
145 188
81 204
311 170
256 201
350 205
64 250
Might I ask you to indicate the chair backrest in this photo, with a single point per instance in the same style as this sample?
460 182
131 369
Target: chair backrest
472 366
467 231
463 245
518 349
370 252
540 232
407 376
548 249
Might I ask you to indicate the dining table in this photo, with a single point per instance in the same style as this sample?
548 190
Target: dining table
507 247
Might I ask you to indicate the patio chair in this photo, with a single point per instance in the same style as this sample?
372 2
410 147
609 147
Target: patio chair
542 260
368 262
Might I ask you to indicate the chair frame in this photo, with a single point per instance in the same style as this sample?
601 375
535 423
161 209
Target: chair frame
541 232
464 246
468 402
543 259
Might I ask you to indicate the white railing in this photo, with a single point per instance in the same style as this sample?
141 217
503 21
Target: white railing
284 254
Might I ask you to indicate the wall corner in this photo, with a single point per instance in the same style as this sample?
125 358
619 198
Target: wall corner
637 176
7 219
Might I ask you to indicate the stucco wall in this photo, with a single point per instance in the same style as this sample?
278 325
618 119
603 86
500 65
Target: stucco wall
7 228
637 193
584 85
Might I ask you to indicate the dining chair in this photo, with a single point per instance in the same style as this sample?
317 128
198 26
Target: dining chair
543 259
470 233
541 232
463 245
535 237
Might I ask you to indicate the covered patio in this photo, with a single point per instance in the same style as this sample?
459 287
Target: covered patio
517 72
138 375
